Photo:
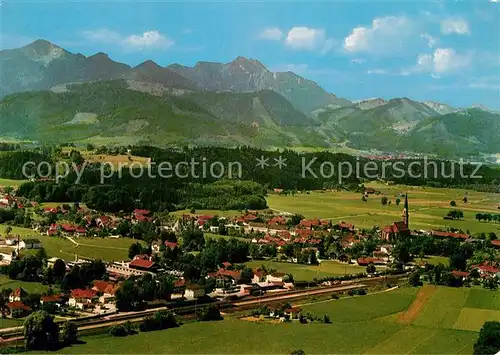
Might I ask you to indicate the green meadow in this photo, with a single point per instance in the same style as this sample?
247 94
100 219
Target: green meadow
12 183
428 206
109 249
327 268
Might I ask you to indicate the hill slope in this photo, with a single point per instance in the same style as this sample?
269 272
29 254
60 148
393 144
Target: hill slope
113 110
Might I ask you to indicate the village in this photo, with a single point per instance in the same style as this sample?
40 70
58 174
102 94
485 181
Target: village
288 238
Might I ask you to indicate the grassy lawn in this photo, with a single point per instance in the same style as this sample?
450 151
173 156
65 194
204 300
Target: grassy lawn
364 308
474 318
428 206
356 328
229 213
10 322
218 236
12 183
237 337
30 287
484 299
109 249
443 308
435 260
302 272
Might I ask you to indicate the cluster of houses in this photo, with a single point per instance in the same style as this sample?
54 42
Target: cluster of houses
98 299
232 283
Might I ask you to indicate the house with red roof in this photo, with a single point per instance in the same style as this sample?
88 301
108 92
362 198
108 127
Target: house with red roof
250 218
51 210
277 221
105 290
441 234
17 295
83 298
460 274
345 227
487 268
18 309
103 221
495 243
143 263
369 260
309 223
81 231
56 300
68 228
171 245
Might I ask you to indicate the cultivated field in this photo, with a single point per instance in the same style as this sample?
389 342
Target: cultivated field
109 249
301 272
428 206
371 324
30 287
115 160
12 183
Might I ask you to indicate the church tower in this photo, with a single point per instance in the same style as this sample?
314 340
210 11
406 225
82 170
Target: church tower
406 213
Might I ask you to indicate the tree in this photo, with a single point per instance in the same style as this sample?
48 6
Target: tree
127 296
134 249
8 229
398 201
370 269
41 254
414 279
246 276
401 252
489 339
384 200
69 333
41 332
59 269
165 286
295 219
4 299
298 352
453 203
208 314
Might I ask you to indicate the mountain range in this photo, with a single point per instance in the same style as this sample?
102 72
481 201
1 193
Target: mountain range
51 94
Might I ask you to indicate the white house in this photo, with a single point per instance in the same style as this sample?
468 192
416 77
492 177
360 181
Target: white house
194 291
11 241
82 299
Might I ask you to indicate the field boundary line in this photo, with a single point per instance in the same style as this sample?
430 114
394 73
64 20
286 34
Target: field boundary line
418 304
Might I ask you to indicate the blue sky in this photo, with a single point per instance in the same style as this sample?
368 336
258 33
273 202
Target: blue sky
425 50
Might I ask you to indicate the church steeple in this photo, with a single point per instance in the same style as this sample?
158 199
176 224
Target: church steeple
406 214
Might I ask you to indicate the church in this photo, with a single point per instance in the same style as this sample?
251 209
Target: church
398 230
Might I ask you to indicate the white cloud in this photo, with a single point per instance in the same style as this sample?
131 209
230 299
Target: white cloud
455 26
446 60
377 71
431 41
495 1
305 38
386 34
443 60
271 33
148 40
